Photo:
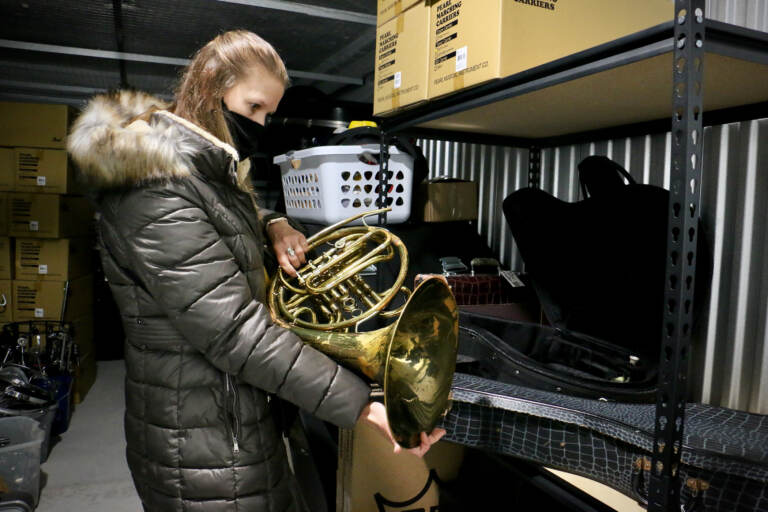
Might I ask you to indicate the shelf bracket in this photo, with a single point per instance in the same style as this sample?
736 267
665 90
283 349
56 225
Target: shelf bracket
682 234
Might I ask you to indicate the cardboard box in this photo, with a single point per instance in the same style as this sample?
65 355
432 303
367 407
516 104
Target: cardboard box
43 170
446 200
402 48
49 215
43 300
6 169
3 213
475 41
35 125
6 258
40 259
83 333
388 9
85 376
6 301
400 481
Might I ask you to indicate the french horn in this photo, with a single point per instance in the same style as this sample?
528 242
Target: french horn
413 358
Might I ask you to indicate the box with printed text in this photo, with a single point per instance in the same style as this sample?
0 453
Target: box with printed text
400 75
474 41
36 125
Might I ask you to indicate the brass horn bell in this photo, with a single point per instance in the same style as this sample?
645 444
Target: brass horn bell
413 359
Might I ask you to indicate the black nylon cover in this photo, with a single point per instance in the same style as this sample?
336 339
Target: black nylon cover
597 265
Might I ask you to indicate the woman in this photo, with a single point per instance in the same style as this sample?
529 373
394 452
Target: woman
182 247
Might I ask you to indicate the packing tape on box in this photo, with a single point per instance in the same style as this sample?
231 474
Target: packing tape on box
395 100
458 81
400 26
398 7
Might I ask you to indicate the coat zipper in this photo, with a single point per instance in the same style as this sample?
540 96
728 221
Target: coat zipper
234 406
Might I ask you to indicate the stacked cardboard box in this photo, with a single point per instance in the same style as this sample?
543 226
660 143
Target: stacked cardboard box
402 45
430 48
46 242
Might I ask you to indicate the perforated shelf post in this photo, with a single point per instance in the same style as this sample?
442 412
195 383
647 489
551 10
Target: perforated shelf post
685 192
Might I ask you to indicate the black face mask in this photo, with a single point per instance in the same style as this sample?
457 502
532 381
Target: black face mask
248 136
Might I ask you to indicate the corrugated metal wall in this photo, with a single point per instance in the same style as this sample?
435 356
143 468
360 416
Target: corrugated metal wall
730 367
745 13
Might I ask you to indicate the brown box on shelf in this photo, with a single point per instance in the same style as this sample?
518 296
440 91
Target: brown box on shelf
36 125
49 215
4 213
85 376
43 259
444 200
6 301
43 171
6 257
388 9
7 164
43 300
472 42
402 48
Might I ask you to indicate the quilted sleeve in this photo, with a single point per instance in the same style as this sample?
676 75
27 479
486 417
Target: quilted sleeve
188 269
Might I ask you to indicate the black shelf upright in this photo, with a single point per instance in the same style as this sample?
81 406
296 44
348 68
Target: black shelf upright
383 177
682 232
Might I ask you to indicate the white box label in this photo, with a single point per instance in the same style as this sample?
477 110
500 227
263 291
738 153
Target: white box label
41 181
42 269
34 225
461 59
39 312
398 79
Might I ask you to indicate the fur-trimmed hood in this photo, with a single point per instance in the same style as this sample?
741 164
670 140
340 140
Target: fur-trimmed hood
127 138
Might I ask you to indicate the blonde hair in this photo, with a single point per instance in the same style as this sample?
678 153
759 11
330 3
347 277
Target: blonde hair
215 68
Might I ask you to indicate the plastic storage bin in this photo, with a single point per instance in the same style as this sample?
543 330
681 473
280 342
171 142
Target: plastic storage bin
44 416
20 459
64 400
326 184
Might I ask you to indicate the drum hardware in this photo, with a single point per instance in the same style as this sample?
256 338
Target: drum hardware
22 342
413 359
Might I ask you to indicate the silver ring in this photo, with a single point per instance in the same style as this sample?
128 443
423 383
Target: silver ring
290 251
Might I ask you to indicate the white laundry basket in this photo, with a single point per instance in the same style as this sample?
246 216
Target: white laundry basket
326 184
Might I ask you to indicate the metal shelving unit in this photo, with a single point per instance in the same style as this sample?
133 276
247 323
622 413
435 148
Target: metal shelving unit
628 86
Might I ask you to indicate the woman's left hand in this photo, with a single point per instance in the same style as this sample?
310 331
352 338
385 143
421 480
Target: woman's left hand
290 246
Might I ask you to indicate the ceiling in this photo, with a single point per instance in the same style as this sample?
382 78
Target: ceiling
64 51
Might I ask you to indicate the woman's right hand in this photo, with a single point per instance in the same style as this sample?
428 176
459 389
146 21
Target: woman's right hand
375 415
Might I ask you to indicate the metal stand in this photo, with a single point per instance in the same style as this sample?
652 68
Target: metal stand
685 192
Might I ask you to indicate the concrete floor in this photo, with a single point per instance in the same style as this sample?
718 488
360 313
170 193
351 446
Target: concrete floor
86 469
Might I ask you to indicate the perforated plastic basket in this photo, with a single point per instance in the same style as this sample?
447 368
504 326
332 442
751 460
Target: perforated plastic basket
326 184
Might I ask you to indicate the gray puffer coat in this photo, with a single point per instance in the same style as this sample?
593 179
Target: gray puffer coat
182 248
